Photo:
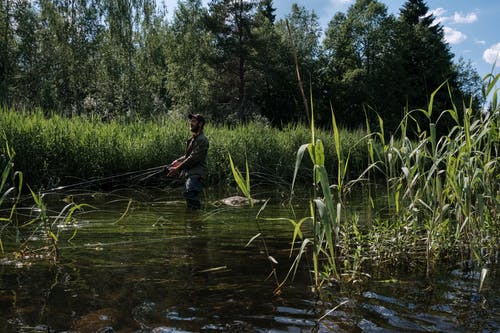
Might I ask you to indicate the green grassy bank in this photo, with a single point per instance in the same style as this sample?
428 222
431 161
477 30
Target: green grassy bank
52 150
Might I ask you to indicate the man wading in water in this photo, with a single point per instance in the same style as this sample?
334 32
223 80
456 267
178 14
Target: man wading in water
193 165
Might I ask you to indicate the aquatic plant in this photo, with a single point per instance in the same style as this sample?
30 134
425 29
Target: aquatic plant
242 182
11 189
8 188
441 194
56 151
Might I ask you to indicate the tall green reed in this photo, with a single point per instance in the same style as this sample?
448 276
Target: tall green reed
442 193
53 150
325 214
444 190
11 189
11 182
242 182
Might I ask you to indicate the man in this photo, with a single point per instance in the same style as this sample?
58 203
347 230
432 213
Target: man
193 165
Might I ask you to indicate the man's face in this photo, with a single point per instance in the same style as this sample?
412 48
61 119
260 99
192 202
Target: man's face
195 125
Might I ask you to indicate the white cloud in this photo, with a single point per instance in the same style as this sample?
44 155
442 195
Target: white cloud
438 15
469 18
438 12
492 55
480 42
453 36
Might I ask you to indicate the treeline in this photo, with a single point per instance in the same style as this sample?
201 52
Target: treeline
232 60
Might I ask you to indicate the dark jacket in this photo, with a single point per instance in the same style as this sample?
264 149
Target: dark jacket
195 158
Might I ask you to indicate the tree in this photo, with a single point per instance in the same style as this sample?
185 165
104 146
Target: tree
424 56
7 44
25 82
266 11
416 12
377 62
231 22
273 85
301 38
190 78
67 41
150 62
469 84
357 46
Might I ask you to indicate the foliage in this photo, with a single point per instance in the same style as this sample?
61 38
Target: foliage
9 191
53 150
21 228
189 76
442 195
231 60
243 183
443 191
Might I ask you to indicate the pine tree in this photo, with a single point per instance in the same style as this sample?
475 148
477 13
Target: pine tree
425 57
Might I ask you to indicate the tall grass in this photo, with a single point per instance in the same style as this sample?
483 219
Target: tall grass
52 150
442 194
11 185
11 225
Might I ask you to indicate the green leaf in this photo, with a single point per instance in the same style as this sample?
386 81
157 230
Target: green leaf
243 183
431 101
298 160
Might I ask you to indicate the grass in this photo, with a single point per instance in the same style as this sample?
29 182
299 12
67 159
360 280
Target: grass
52 150
442 195
23 228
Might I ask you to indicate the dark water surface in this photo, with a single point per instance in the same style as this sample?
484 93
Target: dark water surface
158 268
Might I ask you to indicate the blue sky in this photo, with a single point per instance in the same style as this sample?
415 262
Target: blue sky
471 26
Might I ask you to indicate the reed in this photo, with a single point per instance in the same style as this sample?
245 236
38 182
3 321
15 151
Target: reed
53 150
444 195
242 182
10 189
22 229
441 194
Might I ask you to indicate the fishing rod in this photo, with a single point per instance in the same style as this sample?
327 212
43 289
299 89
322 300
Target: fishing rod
139 173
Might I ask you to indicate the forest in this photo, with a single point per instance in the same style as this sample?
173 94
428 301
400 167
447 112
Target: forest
232 60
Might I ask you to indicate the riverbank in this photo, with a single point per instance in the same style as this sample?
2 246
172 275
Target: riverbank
54 151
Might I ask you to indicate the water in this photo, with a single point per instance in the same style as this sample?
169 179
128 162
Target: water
158 268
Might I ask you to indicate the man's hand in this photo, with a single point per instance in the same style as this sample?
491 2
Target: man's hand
173 170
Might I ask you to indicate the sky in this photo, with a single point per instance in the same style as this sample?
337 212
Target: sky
471 27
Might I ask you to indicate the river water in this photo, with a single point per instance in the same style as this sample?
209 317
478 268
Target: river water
140 262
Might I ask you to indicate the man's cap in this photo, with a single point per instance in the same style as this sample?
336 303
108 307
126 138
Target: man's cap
198 117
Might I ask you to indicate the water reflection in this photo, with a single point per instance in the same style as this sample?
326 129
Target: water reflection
164 269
